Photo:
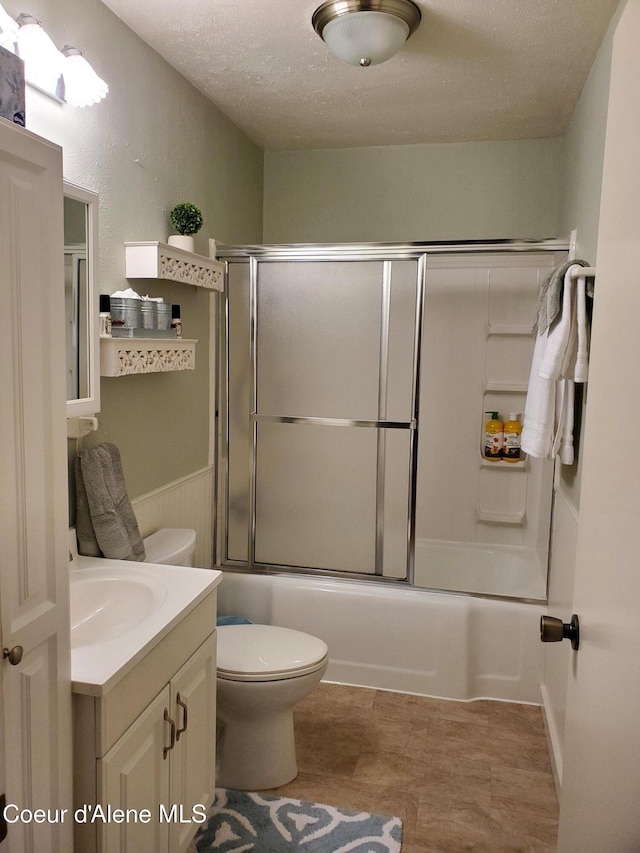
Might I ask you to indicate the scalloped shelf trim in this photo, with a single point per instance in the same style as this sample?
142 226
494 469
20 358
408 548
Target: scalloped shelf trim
131 356
159 260
176 269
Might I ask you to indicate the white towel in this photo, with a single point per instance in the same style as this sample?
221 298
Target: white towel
559 360
558 334
537 428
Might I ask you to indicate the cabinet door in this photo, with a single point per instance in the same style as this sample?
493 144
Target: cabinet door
35 692
193 761
134 775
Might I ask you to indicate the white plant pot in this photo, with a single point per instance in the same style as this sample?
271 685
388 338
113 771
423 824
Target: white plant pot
182 241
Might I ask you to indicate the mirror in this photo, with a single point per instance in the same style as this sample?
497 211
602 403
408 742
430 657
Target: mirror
80 289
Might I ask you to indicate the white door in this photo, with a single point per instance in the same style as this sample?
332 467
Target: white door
600 803
34 591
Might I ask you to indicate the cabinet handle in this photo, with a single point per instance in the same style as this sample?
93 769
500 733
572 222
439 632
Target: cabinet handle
173 733
185 719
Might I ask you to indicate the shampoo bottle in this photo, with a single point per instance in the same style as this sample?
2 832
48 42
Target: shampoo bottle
512 432
493 437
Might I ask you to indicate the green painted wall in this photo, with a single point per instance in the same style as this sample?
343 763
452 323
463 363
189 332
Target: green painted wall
154 141
449 191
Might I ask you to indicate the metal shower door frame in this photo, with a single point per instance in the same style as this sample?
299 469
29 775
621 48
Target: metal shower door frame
381 423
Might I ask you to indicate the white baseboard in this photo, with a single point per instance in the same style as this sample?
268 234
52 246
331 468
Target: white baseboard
553 740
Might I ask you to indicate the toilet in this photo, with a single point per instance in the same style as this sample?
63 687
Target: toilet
171 546
262 672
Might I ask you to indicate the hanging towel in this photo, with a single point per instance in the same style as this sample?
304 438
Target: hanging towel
539 410
551 293
85 534
559 334
559 360
105 524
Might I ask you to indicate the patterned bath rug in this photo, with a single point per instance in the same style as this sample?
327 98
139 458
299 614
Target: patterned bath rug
242 822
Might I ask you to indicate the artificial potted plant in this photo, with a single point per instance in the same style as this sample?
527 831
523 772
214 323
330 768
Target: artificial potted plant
187 219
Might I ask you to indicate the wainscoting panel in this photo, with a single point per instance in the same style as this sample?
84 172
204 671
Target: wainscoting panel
187 502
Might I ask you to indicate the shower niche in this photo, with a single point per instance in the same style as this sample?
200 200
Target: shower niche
353 396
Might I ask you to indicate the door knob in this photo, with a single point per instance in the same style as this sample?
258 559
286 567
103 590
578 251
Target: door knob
13 655
554 630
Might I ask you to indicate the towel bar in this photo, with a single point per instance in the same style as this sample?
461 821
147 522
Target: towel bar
583 272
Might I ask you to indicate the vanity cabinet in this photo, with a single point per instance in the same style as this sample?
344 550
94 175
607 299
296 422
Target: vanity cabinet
147 746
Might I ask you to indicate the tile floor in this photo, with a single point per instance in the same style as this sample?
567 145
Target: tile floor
463 776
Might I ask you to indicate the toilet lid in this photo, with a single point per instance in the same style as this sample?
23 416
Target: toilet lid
266 652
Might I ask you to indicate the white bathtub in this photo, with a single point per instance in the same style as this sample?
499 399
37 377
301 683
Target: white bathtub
502 570
410 640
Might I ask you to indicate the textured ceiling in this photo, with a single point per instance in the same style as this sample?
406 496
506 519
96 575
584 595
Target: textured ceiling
474 70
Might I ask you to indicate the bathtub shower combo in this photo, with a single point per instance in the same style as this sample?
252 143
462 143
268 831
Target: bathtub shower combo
354 500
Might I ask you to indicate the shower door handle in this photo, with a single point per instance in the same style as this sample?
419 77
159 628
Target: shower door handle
554 630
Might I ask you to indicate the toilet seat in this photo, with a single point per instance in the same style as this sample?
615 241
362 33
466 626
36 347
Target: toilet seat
267 653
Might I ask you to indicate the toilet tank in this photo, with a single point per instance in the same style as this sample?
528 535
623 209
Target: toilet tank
171 546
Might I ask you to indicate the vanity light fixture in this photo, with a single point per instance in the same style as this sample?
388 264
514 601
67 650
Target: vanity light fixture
63 75
8 31
82 86
43 62
366 32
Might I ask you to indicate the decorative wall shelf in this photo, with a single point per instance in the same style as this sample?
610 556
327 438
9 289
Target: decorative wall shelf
129 356
159 260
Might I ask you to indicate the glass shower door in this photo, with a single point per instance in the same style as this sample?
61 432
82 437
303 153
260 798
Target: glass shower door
320 441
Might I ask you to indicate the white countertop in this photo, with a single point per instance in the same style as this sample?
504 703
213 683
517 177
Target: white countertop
97 667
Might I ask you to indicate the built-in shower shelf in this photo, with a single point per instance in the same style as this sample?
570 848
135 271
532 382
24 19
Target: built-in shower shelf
131 356
510 329
506 387
161 261
516 518
501 465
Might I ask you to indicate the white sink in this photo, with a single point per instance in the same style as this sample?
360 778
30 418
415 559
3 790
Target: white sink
106 603
120 610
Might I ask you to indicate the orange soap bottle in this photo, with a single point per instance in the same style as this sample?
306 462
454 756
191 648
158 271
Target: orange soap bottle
493 437
512 433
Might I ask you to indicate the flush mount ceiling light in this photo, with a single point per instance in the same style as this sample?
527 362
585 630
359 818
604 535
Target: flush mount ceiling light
366 32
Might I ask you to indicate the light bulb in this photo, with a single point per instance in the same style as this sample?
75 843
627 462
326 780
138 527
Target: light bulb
82 86
42 59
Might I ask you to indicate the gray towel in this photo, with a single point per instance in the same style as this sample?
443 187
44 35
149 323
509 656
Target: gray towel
550 296
85 534
105 522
